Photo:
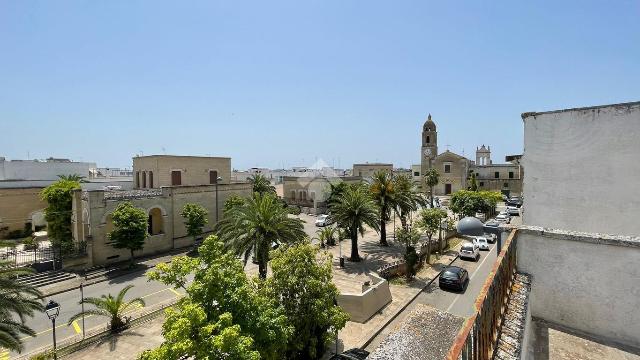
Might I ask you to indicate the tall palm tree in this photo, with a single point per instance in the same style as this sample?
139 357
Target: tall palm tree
354 209
17 302
260 222
407 198
383 193
432 178
261 184
110 307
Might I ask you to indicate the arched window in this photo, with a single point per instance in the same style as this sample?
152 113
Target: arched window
144 179
293 194
155 222
150 179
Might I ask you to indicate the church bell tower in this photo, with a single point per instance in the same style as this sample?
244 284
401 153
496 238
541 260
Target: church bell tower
429 149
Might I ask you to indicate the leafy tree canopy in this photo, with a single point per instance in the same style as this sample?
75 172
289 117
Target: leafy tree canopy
195 218
232 202
467 203
130 227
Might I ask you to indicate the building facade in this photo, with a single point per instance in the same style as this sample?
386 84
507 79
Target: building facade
455 170
156 171
367 170
311 192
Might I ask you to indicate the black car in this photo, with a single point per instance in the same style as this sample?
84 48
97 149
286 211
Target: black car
353 354
514 201
453 277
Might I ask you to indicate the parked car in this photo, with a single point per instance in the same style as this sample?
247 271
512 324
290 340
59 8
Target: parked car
323 220
503 218
512 210
482 242
514 201
492 223
491 237
453 277
470 251
480 216
353 354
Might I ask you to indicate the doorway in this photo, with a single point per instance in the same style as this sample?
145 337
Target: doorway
447 189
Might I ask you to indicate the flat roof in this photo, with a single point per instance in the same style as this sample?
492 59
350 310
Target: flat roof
373 164
627 104
183 156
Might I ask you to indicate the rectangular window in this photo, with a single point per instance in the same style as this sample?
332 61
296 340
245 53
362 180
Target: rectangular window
151 179
416 173
137 179
510 174
213 177
176 177
505 185
497 175
481 183
447 168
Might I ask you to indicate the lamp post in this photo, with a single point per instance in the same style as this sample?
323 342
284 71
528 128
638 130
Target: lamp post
53 309
82 305
218 179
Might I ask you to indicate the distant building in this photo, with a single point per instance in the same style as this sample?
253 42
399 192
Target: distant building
455 170
310 193
48 169
367 170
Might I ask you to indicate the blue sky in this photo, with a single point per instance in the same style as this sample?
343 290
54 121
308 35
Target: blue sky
274 84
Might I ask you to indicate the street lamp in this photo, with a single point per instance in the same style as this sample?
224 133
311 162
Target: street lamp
53 309
218 179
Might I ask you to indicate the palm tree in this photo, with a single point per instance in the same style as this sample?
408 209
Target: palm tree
110 307
73 177
383 193
261 184
17 302
259 223
326 235
432 178
354 209
407 198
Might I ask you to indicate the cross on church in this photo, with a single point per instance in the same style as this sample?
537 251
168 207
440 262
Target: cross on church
447 146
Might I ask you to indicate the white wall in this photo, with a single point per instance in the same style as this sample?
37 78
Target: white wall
581 169
587 282
42 170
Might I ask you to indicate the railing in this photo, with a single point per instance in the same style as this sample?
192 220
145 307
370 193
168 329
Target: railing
478 337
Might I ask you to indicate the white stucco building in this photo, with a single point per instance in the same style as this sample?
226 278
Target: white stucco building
47 169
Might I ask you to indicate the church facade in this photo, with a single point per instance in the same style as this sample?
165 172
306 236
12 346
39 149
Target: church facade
456 170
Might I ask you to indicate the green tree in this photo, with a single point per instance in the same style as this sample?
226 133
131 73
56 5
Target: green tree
429 222
383 193
302 284
432 178
409 237
468 203
130 228
261 185
195 218
110 307
74 177
232 202
352 211
59 197
17 302
407 198
258 224
473 182
223 315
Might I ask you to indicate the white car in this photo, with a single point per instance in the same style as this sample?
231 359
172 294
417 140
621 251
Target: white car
512 210
482 242
503 218
322 220
470 251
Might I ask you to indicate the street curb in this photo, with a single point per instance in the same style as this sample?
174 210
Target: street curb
394 316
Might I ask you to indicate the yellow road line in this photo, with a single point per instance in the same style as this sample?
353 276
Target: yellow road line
86 317
175 292
4 354
76 327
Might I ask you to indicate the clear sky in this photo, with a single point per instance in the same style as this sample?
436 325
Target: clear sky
273 83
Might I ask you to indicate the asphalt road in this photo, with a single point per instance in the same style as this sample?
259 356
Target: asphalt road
460 304
153 293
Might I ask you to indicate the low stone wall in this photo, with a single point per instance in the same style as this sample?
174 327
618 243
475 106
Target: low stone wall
363 306
583 281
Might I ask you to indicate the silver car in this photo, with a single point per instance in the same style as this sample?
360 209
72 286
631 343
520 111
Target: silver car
469 250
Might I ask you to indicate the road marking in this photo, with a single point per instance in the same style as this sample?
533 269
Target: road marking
175 292
76 327
471 277
4 354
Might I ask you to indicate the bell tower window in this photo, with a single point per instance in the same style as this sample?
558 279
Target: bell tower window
428 139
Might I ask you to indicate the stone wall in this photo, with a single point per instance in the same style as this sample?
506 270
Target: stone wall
194 169
588 282
18 207
581 169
